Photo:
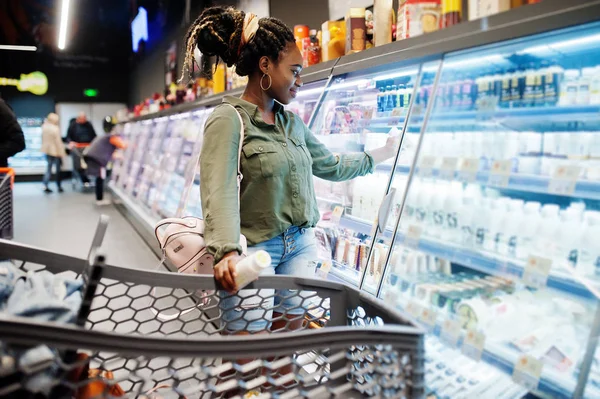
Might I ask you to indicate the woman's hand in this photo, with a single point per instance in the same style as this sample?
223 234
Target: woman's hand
225 271
386 152
391 144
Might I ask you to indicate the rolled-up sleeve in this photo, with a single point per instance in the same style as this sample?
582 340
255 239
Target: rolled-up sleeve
332 167
218 182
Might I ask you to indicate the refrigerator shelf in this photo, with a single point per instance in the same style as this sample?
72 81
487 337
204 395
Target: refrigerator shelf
478 260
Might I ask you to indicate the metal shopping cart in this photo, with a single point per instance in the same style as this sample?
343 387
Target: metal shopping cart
155 334
7 181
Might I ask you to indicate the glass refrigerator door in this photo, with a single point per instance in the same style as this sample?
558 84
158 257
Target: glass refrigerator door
497 252
31 160
357 113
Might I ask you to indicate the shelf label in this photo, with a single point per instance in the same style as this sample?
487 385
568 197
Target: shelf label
527 372
536 271
413 309
473 344
451 332
468 169
500 173
413 236
428 317
426 164
337 213
448 168
564 180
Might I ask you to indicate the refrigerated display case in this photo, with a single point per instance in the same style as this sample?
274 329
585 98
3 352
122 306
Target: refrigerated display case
485 229
31 160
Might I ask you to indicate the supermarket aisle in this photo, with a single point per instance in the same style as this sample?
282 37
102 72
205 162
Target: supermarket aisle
65 223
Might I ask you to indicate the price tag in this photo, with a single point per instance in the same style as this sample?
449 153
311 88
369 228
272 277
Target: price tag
527 372
413 236
428 317
468 169
448 168
473 344
323 269
536 271
500 173
451 332
413 309
426 164
564 180
337 213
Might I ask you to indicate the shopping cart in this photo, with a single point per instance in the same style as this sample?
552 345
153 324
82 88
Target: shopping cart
152 334
7 181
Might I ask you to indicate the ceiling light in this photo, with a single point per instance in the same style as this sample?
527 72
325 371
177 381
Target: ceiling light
64 19
17 48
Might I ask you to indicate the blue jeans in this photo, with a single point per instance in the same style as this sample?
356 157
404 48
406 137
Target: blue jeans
293 253
53 162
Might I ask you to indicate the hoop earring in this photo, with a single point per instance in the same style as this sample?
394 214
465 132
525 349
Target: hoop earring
270 82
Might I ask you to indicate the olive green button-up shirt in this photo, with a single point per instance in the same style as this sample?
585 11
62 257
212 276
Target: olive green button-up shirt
277 164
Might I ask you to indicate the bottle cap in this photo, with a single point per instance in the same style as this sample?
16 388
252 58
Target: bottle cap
262 259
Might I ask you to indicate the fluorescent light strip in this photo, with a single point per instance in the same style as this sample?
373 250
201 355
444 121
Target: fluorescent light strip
17 48
304 93
395 75
470 62
64 19
559 45
345 85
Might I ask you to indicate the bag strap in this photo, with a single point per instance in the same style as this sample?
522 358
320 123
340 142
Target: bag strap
239 166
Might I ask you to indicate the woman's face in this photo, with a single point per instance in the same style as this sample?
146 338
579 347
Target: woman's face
285 75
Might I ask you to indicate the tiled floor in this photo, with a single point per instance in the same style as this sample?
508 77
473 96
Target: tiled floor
66 222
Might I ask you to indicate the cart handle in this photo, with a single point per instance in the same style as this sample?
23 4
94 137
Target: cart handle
9 172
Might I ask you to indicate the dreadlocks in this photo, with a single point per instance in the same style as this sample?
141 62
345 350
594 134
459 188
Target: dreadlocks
218 32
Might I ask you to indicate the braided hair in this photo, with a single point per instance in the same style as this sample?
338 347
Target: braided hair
218 32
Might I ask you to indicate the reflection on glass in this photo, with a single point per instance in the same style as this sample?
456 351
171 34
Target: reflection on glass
494 252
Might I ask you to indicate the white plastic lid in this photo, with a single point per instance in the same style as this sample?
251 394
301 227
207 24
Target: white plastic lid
572 73
588 71
516 204
532 206
550 210
262 259
592 218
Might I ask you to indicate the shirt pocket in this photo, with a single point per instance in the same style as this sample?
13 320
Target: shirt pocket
262 159
306 158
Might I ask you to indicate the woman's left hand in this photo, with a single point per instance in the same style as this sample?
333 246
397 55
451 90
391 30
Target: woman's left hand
391 144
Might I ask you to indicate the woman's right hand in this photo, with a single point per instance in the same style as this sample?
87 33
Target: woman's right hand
225 271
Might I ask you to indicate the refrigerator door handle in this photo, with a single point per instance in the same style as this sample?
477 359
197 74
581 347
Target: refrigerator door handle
384 210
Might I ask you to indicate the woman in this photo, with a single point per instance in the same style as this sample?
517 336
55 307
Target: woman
278 207
99 154
53 147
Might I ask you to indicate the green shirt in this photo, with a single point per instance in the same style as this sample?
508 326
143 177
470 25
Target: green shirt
277 164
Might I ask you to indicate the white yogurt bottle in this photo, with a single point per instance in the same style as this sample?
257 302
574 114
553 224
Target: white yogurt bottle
250 268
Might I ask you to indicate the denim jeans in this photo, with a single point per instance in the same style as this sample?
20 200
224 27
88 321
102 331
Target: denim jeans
292 254
52 162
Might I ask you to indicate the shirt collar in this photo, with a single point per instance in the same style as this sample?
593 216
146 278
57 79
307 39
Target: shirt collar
250 108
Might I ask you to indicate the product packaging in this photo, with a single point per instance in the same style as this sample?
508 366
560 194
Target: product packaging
416 17
483 8
249 268
355 30
451 13
300 32
382 16
333 44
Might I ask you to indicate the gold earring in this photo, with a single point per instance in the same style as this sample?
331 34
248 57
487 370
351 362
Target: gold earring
270 82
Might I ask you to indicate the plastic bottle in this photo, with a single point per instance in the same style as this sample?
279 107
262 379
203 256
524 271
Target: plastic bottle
481 222
569 236
498 209
517 86
452 207
438 213
510 228
248 269
388 100
569 88
451 13
507 89
528 229
546 244
394 96
381 100
595 87
552 84
589 257
530 86
540 83
585 83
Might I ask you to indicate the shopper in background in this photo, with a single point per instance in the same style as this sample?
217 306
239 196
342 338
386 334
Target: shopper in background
79 136
278 207
54 149
99 154
12 140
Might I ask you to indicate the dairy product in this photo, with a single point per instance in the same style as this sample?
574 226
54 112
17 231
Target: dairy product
248 269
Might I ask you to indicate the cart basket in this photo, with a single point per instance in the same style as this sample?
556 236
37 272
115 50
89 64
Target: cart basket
159 334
